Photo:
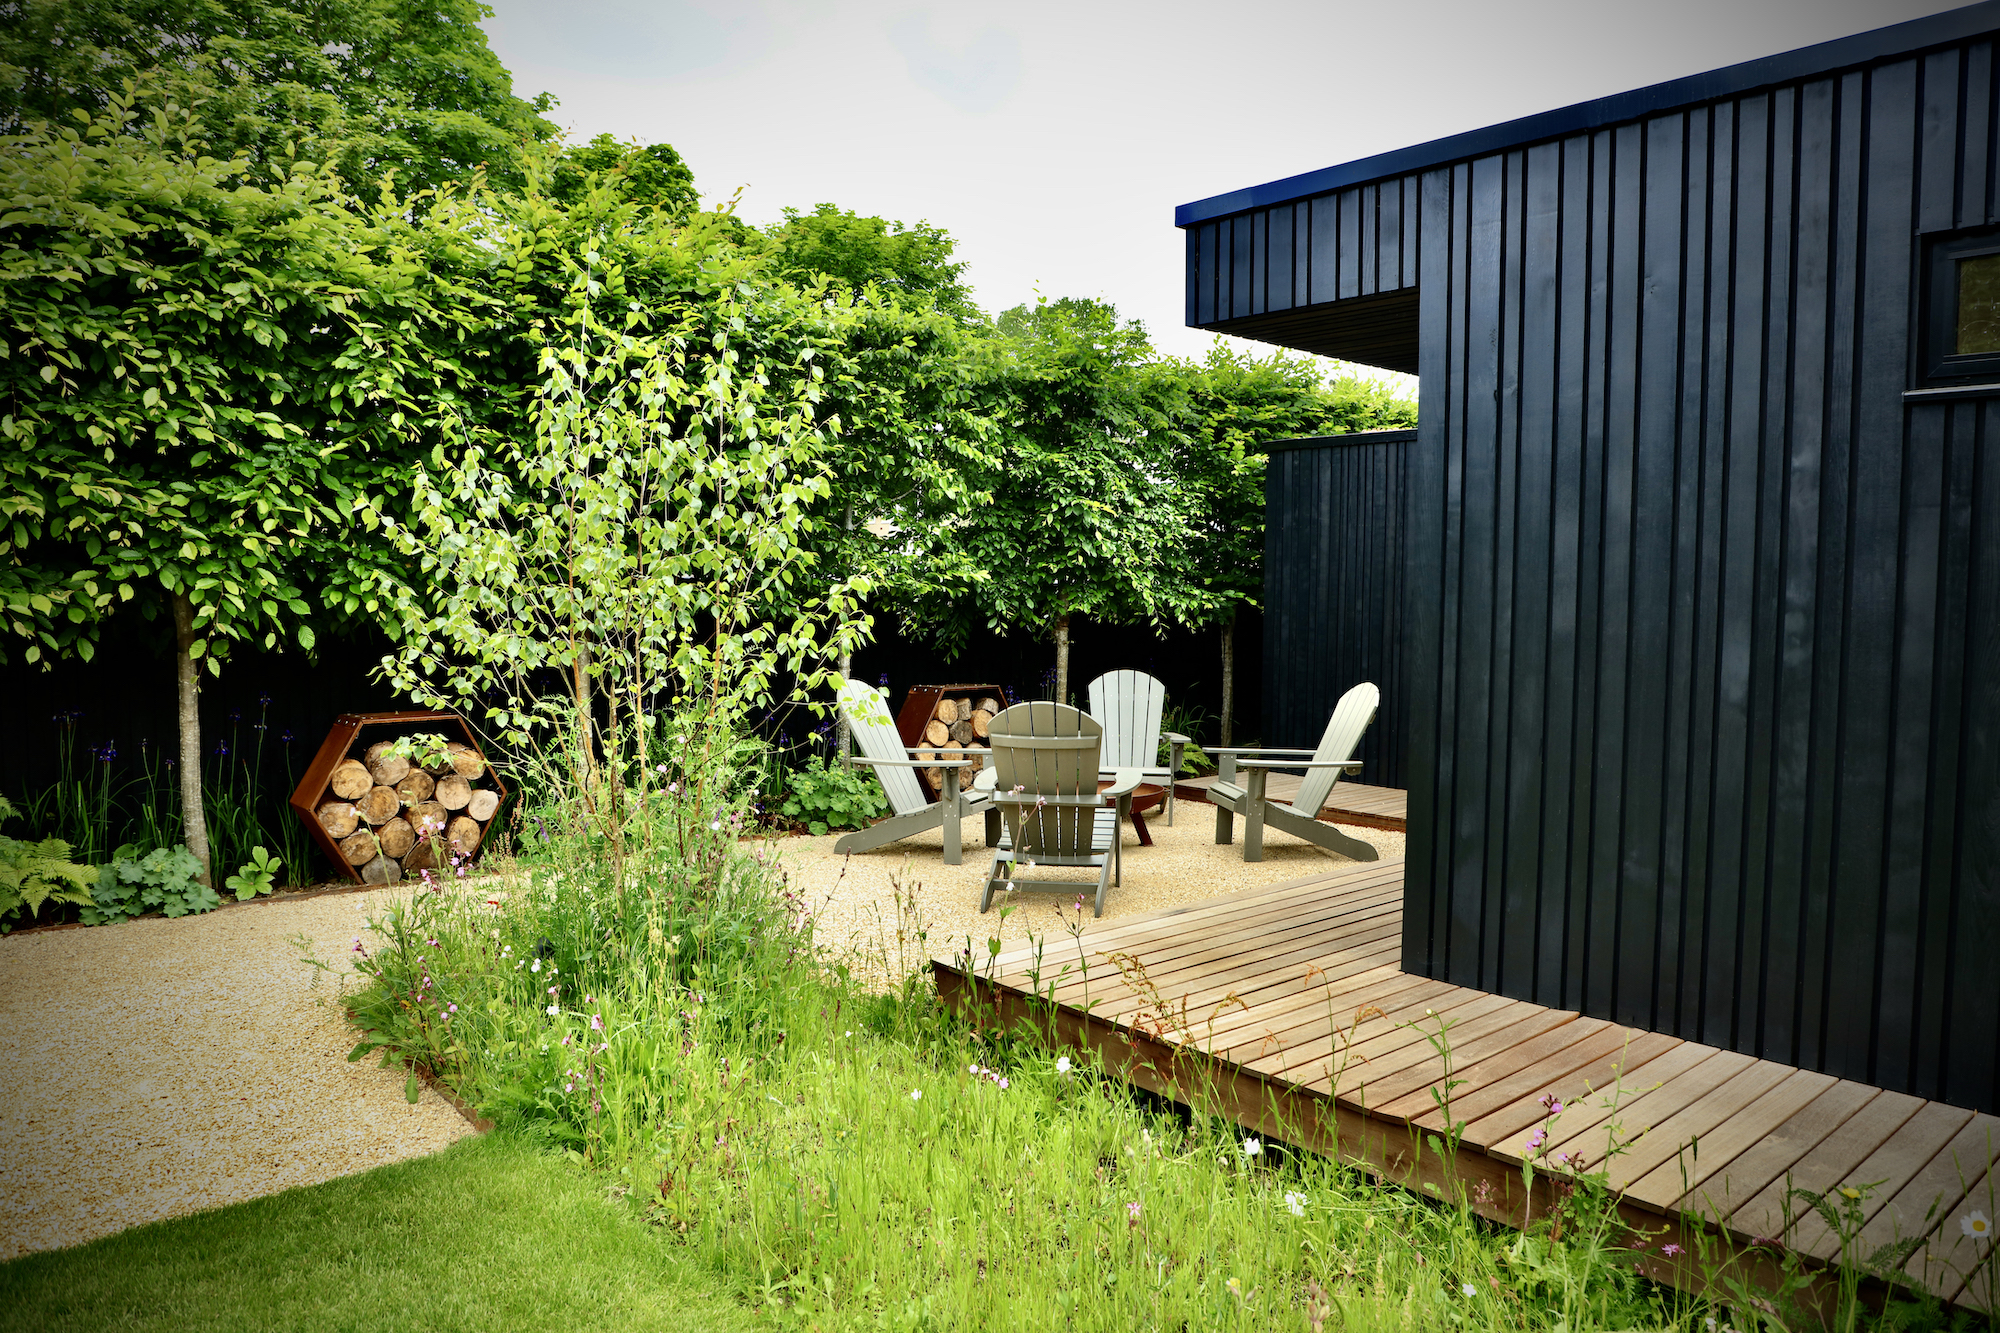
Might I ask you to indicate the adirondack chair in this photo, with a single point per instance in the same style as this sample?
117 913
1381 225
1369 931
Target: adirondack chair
1128 704
1323 766
1046 758
882 749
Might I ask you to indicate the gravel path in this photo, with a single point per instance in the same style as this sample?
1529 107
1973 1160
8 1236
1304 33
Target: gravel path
855 899
159 1067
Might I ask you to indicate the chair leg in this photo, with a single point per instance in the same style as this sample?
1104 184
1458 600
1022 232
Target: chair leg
992 827
993 883
1253 817
1103 880
1225 826
953 846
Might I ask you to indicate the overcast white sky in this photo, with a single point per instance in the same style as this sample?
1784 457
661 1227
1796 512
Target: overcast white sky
1053 138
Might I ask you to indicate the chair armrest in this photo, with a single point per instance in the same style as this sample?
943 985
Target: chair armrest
1174 738
1123 782
988 779
1293 763
1030 798
910 763
1256 749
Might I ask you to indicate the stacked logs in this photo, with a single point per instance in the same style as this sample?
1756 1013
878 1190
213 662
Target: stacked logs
957 730
389 816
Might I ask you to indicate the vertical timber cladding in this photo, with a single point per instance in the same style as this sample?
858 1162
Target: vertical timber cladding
1704 615
1334 560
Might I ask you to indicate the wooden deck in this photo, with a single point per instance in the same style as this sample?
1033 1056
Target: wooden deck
1349 802
1284 1007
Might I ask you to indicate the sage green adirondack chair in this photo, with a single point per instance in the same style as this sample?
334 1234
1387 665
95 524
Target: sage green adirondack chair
1128 704
882 749
1323 766
1046 759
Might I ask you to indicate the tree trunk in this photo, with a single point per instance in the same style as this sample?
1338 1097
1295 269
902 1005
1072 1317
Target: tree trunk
586 751
1229 679
1062 658
194 821
843 741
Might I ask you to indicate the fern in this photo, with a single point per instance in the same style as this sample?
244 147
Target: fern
32 873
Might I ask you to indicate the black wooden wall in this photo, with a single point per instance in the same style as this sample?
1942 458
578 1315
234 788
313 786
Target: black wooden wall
1334 562
1703 615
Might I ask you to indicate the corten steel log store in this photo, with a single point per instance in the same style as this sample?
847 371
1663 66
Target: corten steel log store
1699 602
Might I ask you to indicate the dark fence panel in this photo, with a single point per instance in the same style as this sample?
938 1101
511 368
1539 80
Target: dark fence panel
1334 562
1702 612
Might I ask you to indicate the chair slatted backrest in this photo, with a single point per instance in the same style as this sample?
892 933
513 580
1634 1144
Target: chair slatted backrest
1344 730
875 734
1129 704
1047 749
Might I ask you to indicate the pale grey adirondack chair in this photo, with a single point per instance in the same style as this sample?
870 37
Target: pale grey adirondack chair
1128 704
1046 758
882 749
1323 766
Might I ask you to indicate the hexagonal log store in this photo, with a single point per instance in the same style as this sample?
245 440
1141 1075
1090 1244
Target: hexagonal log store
377 815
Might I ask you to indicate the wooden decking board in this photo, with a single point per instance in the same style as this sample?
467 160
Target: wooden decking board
1518 1118
1826 1163
1724 1193
1887 1170
1742 1130
1270 983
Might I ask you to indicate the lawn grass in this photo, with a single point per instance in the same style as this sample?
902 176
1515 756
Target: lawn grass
492 1233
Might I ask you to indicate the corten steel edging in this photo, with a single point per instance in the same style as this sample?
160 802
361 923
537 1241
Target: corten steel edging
340 738
1391 1150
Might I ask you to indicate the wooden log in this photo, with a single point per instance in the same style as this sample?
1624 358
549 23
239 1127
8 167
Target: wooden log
349 780
961 731
423 856
428 817
387 769
465 761
338 819
360 848
936 732
417 787
397 837
987 705
382 870
946 711
378 805
982 723
453 793
464 835
483 803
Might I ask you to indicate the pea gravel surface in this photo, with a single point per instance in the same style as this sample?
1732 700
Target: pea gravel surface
157 1068
889 910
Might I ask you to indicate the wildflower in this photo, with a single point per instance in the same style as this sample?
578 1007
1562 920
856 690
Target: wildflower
1976 1225
848 1033
673 788
1295 1203
1253 1147
569 1087
1850 1191
1003 1085
916 1094
453 1009
537 966
554 1010
714 825
973 1069
1132 1213
1469 1290
1235 1286
661 769
552 990
1552 1104
1062 1064
1536 1139
597 1023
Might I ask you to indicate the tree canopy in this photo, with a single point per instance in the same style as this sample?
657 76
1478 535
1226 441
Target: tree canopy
369 88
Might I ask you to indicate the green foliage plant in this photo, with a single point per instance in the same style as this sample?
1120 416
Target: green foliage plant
827 795
165 880
425 749
257 875
33 873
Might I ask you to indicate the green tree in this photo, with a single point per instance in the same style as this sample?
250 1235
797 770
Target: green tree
911 265
199 378
366 87
1228 407
651 175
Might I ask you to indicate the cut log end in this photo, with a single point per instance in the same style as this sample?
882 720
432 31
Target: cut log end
947 711
428 817
338 819
962 731
397 837
982 722
416 787
464 836
987 705
936 732
465 761
379 805
453 793
483 804
382 870
358 849
423 856
387 769
349 780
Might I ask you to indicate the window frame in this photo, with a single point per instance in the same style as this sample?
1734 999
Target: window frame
1939 367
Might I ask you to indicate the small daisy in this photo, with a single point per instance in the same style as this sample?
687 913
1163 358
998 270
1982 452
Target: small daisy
553 1011
1976 1225
916 1094
1062 1065
1469 1290
1253 1147
1295 1203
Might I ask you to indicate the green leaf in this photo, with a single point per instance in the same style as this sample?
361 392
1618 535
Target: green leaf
412 1089
361 1049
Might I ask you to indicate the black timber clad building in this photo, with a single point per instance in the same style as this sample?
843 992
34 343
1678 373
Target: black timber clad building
1699 607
